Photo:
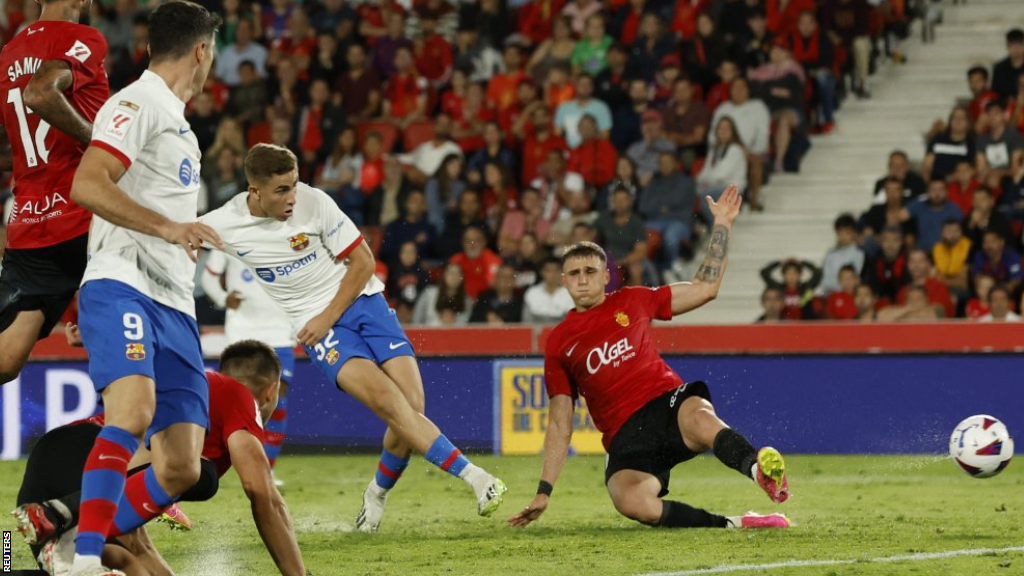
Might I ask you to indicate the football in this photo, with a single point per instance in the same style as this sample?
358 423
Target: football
981 445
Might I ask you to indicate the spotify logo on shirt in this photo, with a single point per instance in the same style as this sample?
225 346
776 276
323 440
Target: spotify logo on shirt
186 175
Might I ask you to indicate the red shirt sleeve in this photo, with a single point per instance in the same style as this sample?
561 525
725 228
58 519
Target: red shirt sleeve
555 377
84 50
656 301
239 410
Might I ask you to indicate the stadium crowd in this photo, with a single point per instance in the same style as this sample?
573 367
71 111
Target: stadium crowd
472 141
942 240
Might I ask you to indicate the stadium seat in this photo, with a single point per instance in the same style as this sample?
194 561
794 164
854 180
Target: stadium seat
417 133
387 131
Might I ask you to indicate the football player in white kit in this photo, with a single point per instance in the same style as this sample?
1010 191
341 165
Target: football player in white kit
312 260
252 315
140 178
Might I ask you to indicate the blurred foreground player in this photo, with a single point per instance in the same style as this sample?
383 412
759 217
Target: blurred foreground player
242 396
650 418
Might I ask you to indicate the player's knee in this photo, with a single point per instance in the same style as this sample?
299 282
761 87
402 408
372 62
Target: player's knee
701 426
642 509
178 475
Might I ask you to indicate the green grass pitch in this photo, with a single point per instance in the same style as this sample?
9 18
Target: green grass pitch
844 507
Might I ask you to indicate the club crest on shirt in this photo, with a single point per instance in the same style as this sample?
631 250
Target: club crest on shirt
622 319
136 351
299 242
332 357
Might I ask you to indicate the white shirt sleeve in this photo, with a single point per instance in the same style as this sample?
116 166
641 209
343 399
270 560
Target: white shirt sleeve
213 273
338 233
123 127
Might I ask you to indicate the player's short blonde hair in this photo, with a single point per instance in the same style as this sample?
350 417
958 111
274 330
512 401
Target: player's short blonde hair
267 160
583 250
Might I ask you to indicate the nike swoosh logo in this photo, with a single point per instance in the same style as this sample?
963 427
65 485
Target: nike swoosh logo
150 509
112 457
242 254
569 353
396 346
183 131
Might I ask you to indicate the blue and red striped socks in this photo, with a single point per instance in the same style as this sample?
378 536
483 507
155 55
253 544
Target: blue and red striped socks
144 499
446 456
275 429
103 481
390 469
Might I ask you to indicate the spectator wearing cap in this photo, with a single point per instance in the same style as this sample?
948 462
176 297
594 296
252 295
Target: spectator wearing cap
627 119
671 70
502 88
1000 151
538 143
549 301
984 217
568 115
953 144
899 168
244 49
425 160
432 52
590 56
780 83
667 205
537 18
849 24
578 11
725 165
950 257
1006 71
981 95
686 121
647 53
474 55
595 157
919 267
812 48
753 123
999 261
646 152
930 213
360 87
610 86
846 252
999 307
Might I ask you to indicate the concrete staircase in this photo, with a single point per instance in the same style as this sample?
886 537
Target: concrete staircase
839 172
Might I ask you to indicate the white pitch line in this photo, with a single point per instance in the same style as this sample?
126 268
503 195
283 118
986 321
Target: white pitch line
808 563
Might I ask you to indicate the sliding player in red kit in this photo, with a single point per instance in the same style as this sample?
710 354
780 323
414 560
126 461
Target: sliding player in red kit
52 83
650 418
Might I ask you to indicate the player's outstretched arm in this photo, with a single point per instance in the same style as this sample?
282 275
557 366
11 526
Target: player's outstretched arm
269 510
138 543
360 269
556 448
95 189
689 295
44 94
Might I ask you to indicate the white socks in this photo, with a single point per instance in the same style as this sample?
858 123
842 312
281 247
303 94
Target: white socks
85 562
476 477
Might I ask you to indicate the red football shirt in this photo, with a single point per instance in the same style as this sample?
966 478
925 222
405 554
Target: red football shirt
606 355
232 408
45 158
479 272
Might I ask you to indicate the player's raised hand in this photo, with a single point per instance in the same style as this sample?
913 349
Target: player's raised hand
531 512
234 300
727 207
315 330
191 236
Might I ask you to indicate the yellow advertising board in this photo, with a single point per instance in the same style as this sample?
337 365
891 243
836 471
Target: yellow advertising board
521 412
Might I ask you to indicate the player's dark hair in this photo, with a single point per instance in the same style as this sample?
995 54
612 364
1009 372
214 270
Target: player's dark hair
927 256
1000 288
845 220
584 249
900 154
176 27
995 103
252 363
265 161
1015 36
768 290
980 70
848 268
792 265
951 221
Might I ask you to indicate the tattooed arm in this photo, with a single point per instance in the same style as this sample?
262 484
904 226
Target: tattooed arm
45 96
689 295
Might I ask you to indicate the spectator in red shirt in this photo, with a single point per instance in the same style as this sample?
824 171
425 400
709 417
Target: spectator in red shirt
538 145
919 266
595 157
842 304
626 25
433 54
405 94
962 186
360 87
479 263
372 172
981 95
298 42
886 272
978 306
537 17
499 194
797 293
783 15
684 18
318 124
728 71
453 99
501 90
475 114
516 118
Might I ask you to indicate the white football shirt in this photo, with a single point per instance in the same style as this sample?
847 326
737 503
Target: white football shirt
144 126
257 316
300 261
